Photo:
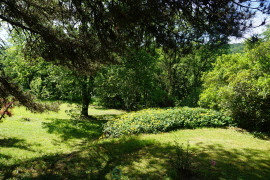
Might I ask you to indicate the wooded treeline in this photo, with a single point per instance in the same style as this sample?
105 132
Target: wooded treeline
142 79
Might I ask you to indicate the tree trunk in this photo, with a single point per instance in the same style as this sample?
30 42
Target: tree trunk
85 97
87 88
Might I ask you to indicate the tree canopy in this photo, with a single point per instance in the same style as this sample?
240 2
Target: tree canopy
82 34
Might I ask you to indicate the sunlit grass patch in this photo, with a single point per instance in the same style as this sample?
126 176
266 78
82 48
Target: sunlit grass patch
52 146
28 135
236 155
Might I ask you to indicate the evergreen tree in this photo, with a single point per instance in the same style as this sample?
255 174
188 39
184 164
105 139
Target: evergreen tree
83 34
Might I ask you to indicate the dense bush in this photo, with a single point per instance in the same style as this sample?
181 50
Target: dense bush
163 120
240 85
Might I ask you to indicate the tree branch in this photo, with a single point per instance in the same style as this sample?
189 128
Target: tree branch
17 24
6 110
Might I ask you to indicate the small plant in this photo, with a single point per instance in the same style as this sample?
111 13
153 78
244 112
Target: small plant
213 163
181 162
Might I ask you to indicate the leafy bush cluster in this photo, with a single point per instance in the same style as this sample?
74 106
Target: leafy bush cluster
163 120
239 84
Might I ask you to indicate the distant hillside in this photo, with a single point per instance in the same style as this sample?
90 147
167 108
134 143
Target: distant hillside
237 48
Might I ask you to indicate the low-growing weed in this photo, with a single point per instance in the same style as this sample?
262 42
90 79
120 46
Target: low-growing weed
181 162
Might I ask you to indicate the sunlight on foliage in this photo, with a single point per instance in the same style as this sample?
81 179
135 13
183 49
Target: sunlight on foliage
163 120
239 84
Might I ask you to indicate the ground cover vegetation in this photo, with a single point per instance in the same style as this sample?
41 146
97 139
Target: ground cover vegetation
52 146
164 120
186 104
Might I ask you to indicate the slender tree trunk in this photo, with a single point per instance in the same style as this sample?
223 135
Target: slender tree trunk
87 88
85 97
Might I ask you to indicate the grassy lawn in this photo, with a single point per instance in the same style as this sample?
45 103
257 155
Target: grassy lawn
51 146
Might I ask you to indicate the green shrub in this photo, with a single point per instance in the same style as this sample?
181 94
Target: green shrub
163 120
239 85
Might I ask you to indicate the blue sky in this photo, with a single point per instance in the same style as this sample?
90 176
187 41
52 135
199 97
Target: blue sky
256 22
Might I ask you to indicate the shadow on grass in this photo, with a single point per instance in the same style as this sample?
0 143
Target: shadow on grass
70 129
96 161
14 143
143 159
256 134
232 164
